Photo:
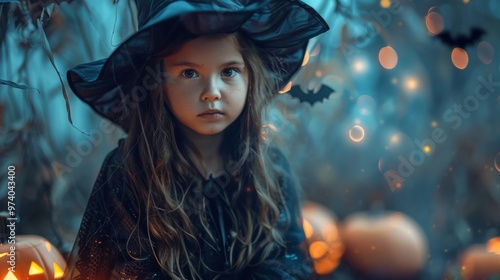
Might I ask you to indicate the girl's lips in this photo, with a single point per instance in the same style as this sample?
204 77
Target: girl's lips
211 114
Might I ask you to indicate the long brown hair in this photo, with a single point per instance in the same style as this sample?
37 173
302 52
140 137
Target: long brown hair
164 179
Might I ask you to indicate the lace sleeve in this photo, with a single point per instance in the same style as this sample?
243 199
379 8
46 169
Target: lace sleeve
104 247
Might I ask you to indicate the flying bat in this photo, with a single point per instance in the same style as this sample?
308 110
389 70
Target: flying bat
461 40
309 96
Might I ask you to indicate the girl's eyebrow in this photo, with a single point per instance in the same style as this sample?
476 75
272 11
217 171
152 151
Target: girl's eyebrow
192 64
234 63
186 63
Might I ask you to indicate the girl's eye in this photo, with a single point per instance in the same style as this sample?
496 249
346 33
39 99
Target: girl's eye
189 74
229 72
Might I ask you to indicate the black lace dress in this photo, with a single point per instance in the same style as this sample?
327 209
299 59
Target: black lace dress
103 247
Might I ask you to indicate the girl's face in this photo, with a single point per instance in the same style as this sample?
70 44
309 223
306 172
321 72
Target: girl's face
207 83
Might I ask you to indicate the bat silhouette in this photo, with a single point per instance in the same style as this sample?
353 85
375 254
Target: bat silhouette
309 96
461 40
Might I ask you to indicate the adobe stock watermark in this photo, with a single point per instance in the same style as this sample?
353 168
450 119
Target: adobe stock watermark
454 117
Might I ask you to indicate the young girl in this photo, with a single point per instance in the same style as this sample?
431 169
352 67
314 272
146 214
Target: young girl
194 192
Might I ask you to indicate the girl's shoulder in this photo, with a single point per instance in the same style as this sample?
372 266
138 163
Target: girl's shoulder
115 156
112 175
285 174
278 158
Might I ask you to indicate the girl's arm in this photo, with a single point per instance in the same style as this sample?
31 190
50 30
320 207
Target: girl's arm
102 247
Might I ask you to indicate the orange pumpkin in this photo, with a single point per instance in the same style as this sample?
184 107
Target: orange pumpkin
33 258
325 245
387 246
481 262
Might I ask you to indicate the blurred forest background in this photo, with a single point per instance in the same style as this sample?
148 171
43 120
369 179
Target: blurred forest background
413 126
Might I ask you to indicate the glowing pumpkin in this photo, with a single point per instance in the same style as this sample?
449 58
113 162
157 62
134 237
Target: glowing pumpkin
386 246
33 258
325 245
481 262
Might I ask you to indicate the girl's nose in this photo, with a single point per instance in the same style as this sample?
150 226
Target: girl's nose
211 91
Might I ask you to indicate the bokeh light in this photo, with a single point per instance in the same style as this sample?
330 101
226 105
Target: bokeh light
270 126
434 23
411 84
391 176
318 249
325 245
306 58
357 133
385 3
432 9
359 66
286 88
497 162
493 245
427 149
267 130
308 229
460 58
388 57
316 51
485 52
365 105
395 159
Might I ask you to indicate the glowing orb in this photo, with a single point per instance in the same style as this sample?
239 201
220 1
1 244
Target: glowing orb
359 66
460 58
411 84
485 52
385 3
357 133
434 23
388 57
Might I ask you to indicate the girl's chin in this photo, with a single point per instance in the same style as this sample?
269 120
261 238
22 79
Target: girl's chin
204 131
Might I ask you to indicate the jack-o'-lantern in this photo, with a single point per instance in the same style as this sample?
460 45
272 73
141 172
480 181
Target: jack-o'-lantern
31 257
388 245
27 256
325 245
